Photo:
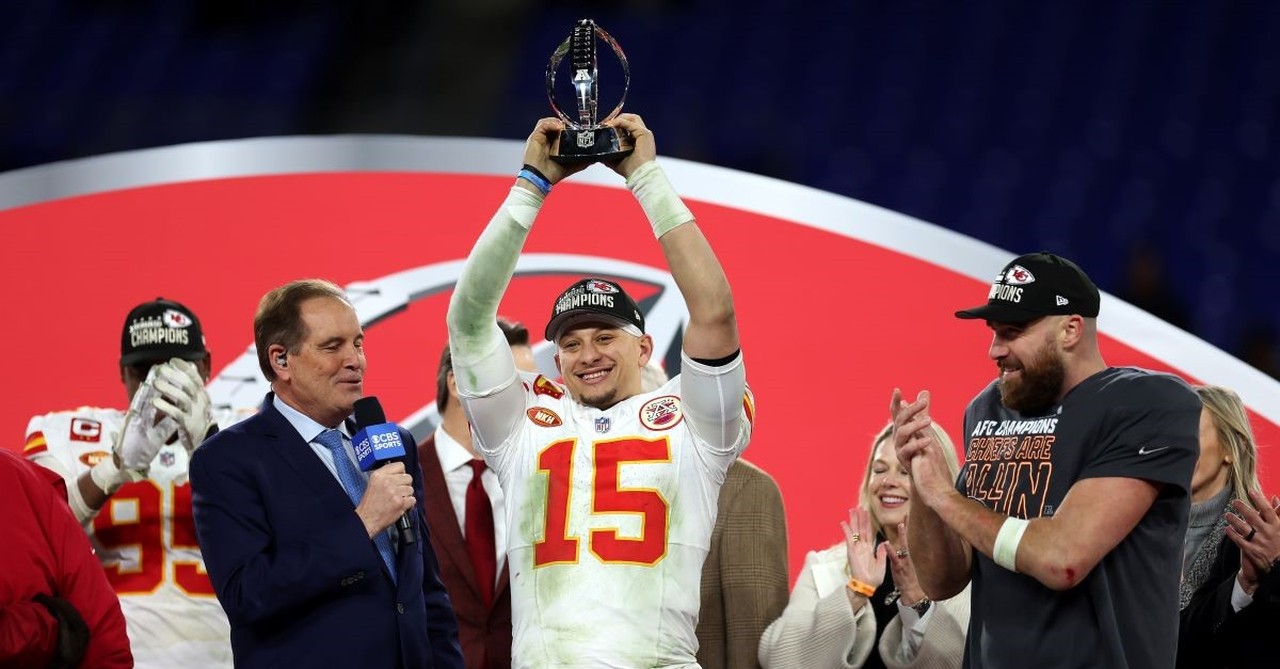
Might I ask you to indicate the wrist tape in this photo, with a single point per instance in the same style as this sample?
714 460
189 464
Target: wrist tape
106 475
1005 550
658 199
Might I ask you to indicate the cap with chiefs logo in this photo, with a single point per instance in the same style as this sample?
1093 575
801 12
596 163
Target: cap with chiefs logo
1036 285
159 330
594 300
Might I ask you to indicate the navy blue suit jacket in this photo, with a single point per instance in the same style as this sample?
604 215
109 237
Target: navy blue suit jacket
294 568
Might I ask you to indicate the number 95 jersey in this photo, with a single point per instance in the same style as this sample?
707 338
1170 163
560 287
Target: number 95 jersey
145 538
610 515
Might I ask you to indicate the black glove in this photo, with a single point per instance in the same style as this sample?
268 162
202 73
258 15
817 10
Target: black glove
73 633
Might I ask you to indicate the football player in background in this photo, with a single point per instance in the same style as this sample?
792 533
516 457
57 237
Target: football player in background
126 474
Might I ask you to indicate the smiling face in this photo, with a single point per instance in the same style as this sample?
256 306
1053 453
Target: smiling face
601 364
889 488
1032 370
324 377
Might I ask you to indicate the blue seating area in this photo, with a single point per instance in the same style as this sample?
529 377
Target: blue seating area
1083 127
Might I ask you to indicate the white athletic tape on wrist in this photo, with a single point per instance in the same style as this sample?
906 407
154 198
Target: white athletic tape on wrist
658 199
1005 550
522 206
106 476
83 513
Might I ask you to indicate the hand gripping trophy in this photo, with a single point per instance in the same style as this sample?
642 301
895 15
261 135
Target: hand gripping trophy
586 139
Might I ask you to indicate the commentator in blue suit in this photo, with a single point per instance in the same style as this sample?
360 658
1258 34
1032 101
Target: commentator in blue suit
301 546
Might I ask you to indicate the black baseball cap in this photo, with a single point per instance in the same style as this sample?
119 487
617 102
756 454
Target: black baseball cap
159 330
1036 285
595 300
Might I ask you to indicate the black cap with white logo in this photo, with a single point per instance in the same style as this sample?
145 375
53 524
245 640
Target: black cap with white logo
159 330
594 300
1036 285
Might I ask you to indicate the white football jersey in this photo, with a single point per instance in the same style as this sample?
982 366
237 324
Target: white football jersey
609 518
145 538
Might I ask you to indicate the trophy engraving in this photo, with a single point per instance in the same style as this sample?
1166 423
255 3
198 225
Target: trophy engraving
585 138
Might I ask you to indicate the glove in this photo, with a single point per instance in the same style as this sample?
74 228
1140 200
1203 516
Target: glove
73 633
182 397
145 430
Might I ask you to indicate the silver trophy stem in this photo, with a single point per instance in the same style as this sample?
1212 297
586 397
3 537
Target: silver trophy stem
587 139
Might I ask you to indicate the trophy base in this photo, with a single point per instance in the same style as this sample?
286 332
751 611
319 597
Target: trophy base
591 145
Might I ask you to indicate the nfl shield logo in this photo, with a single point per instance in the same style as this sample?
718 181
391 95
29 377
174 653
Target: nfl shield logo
167 458
603 424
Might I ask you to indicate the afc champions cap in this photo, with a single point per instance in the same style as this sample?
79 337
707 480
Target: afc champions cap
159 330
1036 285
594 300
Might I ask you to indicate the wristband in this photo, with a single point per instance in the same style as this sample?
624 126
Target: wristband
1005 550
538 179
864 589
106 475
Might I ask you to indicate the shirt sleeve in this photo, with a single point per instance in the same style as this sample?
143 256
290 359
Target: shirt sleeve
1151 432
718 405
492 395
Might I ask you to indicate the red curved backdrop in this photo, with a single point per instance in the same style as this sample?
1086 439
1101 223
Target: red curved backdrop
829 324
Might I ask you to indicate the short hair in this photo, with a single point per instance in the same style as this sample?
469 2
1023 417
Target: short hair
940 437
1235 435
278 319
515 332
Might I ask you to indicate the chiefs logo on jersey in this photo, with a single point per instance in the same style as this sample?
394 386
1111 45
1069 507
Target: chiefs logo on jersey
544 417
661 413
85 429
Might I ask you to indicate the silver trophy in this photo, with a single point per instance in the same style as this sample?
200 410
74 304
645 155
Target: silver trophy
586 139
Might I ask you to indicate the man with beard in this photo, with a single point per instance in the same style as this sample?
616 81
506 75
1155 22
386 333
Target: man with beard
1069 513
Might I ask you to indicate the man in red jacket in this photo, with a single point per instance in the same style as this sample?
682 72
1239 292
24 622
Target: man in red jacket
56 607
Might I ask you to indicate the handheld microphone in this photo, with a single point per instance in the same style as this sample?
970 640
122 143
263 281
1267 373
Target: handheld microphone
376 443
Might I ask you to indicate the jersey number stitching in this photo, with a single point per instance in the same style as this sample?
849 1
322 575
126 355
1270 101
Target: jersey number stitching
607 497
145 534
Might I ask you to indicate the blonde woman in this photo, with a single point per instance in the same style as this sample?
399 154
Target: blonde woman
858 604
1230 597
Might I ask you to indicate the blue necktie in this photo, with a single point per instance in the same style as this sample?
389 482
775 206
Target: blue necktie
355 484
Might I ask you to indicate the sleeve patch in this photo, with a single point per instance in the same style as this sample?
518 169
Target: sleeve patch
544 386
35 444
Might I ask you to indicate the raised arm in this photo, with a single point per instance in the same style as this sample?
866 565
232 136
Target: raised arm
712 333
942 558
482 360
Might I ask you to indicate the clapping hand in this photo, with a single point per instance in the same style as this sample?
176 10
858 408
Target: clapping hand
917 449
866 558
1257 534
904 570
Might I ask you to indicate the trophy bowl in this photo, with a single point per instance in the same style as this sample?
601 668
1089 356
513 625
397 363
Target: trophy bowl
586 138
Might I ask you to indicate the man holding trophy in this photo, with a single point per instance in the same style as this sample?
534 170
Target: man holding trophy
611 490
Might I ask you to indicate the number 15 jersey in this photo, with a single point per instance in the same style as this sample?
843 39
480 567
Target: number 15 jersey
610 513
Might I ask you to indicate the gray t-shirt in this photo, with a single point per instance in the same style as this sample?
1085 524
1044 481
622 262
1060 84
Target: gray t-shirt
1120 422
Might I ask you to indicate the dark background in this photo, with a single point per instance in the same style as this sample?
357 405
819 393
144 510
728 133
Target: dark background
1136 137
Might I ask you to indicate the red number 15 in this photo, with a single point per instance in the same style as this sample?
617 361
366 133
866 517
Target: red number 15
607 457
